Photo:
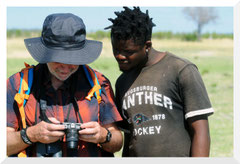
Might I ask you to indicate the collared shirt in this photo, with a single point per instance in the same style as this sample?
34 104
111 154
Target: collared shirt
60 104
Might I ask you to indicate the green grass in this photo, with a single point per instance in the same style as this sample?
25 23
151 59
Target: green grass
109 67
15 65
217 73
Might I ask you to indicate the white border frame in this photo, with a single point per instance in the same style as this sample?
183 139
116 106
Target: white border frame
237 81
99 3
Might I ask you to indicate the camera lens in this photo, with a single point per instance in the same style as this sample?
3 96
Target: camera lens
72 138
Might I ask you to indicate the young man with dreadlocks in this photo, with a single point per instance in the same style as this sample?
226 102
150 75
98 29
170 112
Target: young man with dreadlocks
161 97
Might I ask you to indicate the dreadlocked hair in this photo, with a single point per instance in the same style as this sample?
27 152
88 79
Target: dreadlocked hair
131 24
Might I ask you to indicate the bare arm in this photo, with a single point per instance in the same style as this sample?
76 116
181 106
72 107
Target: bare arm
95 133
14 142
117 139
42 132
200 138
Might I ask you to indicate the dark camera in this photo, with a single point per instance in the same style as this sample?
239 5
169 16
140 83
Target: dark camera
71 130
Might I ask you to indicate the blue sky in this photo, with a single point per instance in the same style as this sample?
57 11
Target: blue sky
96 18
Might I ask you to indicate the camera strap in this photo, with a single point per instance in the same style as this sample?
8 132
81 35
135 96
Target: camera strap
43 106
75 106
95 90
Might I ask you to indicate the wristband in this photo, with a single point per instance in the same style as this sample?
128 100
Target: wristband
108 137
24 136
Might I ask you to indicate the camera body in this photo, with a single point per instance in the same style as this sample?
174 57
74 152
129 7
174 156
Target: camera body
71 130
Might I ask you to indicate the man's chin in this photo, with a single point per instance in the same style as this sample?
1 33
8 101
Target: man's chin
63 78
123 69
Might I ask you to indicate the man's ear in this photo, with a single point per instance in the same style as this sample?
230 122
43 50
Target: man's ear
148 44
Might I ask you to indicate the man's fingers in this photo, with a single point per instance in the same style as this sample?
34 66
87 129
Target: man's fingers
88 138
89 125
57 133
54 120
55 127
50 139
88 131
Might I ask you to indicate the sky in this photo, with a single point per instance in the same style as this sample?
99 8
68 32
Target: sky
96 18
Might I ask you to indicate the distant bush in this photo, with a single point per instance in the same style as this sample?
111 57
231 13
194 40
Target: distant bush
217 36
99 35
23 33
189 36
106 34
163 35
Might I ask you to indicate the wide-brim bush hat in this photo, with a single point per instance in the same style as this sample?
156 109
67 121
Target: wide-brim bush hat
63 40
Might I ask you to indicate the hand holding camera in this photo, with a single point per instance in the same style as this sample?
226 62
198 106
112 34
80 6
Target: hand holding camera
46 133
71 131
95 133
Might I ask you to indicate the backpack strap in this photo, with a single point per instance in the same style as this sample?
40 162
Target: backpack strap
23 94
96 87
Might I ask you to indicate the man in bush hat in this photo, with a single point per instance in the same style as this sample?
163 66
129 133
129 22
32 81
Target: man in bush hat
161 97
70 109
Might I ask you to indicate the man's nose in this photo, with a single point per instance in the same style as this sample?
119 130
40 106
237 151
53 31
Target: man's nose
67 67
120 56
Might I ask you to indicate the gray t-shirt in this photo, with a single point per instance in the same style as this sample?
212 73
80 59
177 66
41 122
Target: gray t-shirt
156 102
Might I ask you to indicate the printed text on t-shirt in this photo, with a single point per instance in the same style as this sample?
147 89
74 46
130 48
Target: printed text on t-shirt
145 95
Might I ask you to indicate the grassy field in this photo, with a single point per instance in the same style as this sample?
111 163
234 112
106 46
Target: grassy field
214 59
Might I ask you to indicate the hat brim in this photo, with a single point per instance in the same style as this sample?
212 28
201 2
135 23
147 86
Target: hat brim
43 54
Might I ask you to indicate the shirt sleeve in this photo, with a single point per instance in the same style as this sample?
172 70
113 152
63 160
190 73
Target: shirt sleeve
12 109
194 93
108 109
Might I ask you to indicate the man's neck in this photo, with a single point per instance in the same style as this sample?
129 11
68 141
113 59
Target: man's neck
56 83
154 56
